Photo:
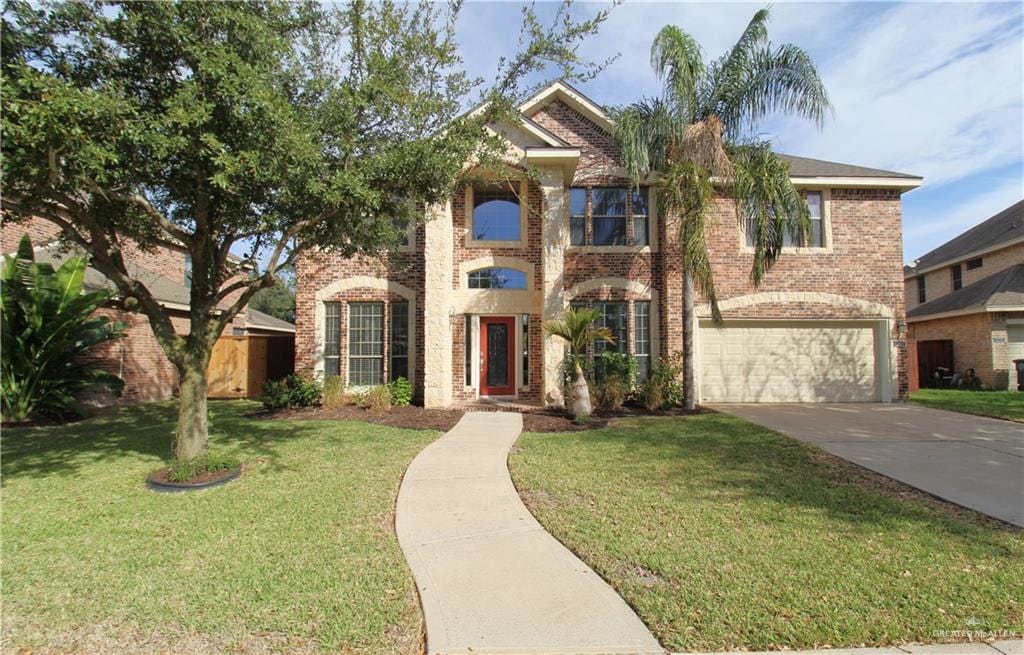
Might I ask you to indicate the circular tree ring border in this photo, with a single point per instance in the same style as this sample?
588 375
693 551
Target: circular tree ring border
173 487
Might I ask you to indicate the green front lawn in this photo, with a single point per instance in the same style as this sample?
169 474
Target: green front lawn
998 404
725 535
298 555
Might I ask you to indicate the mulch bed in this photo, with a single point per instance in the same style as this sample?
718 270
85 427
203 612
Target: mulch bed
418 418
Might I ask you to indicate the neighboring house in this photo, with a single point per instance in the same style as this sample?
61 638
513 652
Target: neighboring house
138 359
965 301
459 310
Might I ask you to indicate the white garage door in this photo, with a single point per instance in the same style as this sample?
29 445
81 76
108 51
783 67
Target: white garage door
788 361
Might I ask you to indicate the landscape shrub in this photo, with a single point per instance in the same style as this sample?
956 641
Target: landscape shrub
622 367
401 392
334 392
664 388
48 326
291 391
376 399
610 394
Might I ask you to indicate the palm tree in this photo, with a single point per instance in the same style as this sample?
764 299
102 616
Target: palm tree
578 328
693 142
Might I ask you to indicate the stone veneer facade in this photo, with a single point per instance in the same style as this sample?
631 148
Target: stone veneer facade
858 275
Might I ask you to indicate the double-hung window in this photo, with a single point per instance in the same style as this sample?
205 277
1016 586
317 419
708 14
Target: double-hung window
613 317
399 351
332 338
816 235
609 216
642 338
577 216
365 344
639 211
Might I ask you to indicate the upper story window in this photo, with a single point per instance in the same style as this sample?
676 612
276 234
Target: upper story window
497 278
958 276
922 297
577 217
188 270
611 211
816 236
974 263
495 213
609 217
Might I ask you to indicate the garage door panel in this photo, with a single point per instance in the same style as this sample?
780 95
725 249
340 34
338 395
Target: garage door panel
788 362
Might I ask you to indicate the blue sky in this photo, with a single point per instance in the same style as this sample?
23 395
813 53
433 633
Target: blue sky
934 89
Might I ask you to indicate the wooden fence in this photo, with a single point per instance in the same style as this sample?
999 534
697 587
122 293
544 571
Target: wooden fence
240 365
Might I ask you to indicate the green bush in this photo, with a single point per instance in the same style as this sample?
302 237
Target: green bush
401 392
620 367
183 470
47 324
291 391
376 399
664 388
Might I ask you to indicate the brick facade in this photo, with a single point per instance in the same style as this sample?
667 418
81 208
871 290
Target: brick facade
939 282
858 275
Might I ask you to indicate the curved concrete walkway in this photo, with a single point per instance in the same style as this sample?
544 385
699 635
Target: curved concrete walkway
491 579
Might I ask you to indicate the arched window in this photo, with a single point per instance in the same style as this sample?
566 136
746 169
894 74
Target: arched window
497 278
495 213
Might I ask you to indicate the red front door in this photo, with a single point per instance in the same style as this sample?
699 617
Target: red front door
497 356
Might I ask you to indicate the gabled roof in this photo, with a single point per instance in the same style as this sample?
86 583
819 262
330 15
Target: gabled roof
562 90
1004 228
1002 291
807 167
263 321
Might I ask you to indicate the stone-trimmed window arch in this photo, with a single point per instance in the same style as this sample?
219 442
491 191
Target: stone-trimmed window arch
360 289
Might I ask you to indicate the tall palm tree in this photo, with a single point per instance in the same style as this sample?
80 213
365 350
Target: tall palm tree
578 327
694 142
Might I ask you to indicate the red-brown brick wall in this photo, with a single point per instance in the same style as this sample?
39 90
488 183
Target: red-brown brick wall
972 342
316 271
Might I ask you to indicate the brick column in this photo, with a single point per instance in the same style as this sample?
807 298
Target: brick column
555 237
437 292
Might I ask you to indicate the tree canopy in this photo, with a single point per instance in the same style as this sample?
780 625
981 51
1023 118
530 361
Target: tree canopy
277 126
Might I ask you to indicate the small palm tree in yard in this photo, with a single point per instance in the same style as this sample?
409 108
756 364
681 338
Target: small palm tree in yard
693 141
47 324
578 328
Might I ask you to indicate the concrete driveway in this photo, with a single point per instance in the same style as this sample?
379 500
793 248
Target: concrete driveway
970 460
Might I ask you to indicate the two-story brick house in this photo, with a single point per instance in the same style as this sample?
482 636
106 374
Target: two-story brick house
459 311
967 296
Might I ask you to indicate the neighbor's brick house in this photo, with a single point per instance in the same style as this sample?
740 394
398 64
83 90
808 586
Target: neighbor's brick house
968 296
459 310
137 358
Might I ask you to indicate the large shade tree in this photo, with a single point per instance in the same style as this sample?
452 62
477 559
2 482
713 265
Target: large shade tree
695 141
280 126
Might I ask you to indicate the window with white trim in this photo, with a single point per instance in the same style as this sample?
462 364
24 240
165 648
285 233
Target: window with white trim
399 350
332 339
365 343
816 235
497 278
642 338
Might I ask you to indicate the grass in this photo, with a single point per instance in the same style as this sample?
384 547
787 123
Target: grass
725 535
1008 405
298 555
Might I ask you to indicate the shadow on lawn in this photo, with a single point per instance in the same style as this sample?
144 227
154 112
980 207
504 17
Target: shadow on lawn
718 457
146 430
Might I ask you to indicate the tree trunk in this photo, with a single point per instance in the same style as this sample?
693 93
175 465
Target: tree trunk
581 406
690 400
192 434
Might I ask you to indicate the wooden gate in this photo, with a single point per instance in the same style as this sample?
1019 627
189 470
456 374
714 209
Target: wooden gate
931 355
240 365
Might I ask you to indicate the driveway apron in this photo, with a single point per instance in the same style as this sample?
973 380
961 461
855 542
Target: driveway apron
491 579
